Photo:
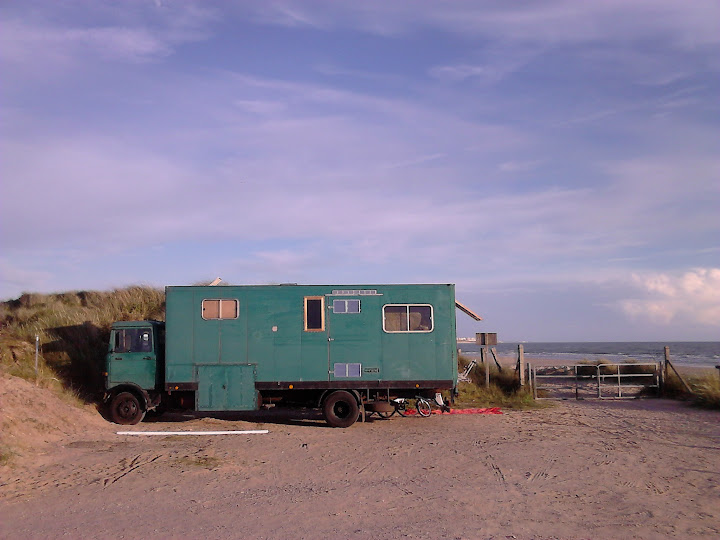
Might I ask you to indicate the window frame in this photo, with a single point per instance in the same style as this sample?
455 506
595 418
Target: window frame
220 309
132 335
321 299
407 311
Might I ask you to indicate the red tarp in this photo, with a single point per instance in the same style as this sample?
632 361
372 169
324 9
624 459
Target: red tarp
490 410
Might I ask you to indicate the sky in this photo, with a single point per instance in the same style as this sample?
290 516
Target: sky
559 161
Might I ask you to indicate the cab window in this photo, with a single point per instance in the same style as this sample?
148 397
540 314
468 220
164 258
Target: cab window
133 340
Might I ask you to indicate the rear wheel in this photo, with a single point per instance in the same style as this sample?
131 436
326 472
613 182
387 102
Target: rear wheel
341 409
125 409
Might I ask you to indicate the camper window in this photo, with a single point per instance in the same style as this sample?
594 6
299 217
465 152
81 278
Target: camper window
407 318
213 309
314 314
346 306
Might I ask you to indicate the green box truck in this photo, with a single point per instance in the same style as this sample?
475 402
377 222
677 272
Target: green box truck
344 349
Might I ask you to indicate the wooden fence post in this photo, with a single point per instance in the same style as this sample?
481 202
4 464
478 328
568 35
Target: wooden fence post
486 360
521 363
669 363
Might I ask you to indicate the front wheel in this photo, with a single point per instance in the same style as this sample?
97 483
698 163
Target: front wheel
341 409
125 409
423 408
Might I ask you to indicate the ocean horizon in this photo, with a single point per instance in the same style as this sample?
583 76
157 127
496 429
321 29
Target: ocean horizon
704 354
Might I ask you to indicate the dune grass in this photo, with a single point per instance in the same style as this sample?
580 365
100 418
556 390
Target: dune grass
73 328
504 390
706 391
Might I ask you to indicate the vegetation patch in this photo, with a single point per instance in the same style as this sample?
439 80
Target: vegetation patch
205 462
73 330
6 455
504 390
706 390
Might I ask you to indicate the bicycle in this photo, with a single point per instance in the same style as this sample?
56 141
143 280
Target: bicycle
423 406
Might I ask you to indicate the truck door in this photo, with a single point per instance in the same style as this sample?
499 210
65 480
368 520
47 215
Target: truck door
354 326
132 357
226 387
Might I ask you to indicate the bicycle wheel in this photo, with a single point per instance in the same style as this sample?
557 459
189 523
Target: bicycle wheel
401 409
423 407
386 414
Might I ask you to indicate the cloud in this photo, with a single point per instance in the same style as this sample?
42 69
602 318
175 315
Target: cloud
691 296
52 40
684 24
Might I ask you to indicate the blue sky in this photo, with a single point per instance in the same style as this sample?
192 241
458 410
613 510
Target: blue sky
559 161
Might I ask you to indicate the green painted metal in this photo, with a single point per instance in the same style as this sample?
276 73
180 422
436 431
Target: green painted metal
269 339
269 333
132 359
223 387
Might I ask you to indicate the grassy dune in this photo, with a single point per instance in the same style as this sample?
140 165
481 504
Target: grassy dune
73 328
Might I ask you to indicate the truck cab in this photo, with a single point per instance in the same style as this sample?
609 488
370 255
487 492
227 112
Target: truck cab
134 369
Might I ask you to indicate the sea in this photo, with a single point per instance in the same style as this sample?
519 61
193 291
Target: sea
682 353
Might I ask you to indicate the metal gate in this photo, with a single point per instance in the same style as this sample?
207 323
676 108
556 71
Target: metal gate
588 381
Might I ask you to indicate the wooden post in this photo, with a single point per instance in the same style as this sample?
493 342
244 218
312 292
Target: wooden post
37 351
521 364
492 350
486 359
532 380
669 363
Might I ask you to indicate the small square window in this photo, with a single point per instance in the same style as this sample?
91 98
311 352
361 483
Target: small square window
342 370
346 306
213 309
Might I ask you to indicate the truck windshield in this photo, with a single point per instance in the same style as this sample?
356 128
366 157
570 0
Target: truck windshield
133 340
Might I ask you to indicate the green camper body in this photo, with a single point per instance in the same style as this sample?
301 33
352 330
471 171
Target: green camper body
233 348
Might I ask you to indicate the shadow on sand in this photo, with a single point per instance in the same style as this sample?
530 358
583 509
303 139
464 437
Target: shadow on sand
283 416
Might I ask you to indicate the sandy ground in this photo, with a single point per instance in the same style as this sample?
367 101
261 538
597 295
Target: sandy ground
592 469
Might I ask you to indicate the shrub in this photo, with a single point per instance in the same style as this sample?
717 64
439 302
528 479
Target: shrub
707 391
504 390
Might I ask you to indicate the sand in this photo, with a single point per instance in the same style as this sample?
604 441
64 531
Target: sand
592 469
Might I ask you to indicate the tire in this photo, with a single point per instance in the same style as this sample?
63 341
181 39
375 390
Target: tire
402 409
423 408
340 409
126 410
